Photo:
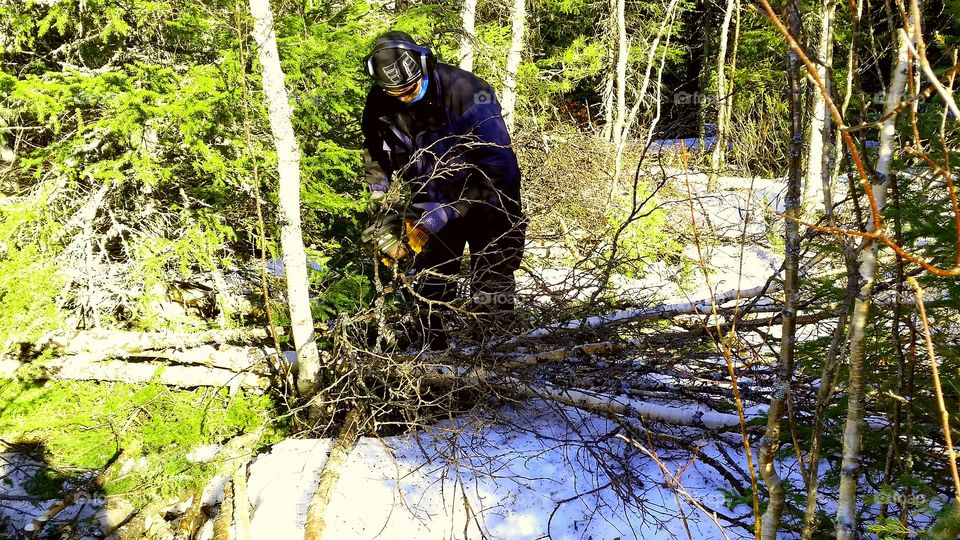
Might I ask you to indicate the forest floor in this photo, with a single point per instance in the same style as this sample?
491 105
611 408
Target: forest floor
538 468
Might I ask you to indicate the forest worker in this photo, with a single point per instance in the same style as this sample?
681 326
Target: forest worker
438 131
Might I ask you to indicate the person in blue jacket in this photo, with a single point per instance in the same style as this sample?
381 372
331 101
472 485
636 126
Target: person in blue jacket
439 129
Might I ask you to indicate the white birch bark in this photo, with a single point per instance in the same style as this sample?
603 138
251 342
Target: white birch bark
288 164
509 101
620 87
85 368
850 467
679 415
469 16
717 157
608 91
821 122
665 28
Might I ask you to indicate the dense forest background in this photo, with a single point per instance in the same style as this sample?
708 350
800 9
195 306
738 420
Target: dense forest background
139 195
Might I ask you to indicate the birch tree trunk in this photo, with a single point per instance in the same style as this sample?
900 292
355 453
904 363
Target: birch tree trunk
620 101
288 165
718 156
509 101
831 364
821 123
703 78
850 467
469 16
770 521
665 28
728 110
608 107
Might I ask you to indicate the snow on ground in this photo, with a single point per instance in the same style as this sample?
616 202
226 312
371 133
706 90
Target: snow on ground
723 219
18 509
534 470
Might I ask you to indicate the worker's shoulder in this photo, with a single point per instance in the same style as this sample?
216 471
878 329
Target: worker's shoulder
462 89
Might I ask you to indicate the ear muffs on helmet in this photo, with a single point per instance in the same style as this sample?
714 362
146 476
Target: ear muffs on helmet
423 52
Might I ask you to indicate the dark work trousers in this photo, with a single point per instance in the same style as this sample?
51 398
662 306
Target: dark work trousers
496 241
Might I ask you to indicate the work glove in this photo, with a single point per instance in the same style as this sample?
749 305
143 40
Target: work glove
386 237
417 235
435 216
375 204
394 239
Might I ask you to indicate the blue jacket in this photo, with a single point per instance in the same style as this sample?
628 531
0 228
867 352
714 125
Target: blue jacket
451 147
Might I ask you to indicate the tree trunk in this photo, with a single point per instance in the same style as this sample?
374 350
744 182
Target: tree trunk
717 158
288 165
509 101
665 28
607 133
850 467
703 75
346 441
829 373
620 101
469 16
821 122
770 522
87 368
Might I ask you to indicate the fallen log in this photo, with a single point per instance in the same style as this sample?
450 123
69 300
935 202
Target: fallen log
83 368
125 343
514 360
663 311
241 503
555 355
222 523
346 441
593 402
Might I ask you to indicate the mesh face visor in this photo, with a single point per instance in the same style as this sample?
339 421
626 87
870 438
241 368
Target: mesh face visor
397 64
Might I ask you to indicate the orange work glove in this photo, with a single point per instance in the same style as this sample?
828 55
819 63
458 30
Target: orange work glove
417 236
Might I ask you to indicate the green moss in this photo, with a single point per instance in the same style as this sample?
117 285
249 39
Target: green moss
80 426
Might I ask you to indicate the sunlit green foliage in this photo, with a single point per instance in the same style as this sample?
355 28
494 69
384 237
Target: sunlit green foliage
83 425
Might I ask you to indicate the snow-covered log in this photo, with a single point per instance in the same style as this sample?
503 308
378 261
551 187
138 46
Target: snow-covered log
127 343
346 441
84 368
589 401
663 311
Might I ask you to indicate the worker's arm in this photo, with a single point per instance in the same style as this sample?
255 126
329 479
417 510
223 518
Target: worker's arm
376 158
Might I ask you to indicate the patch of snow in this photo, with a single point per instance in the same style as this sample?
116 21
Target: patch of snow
533 471
203 454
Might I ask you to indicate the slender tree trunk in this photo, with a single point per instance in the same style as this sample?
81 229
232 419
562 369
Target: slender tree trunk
469 16
658 88
620 114
718 156
703 77
821 122
831 364
728 110
828 381
288 165
509 101
608 91
770 522
665 28
850 467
